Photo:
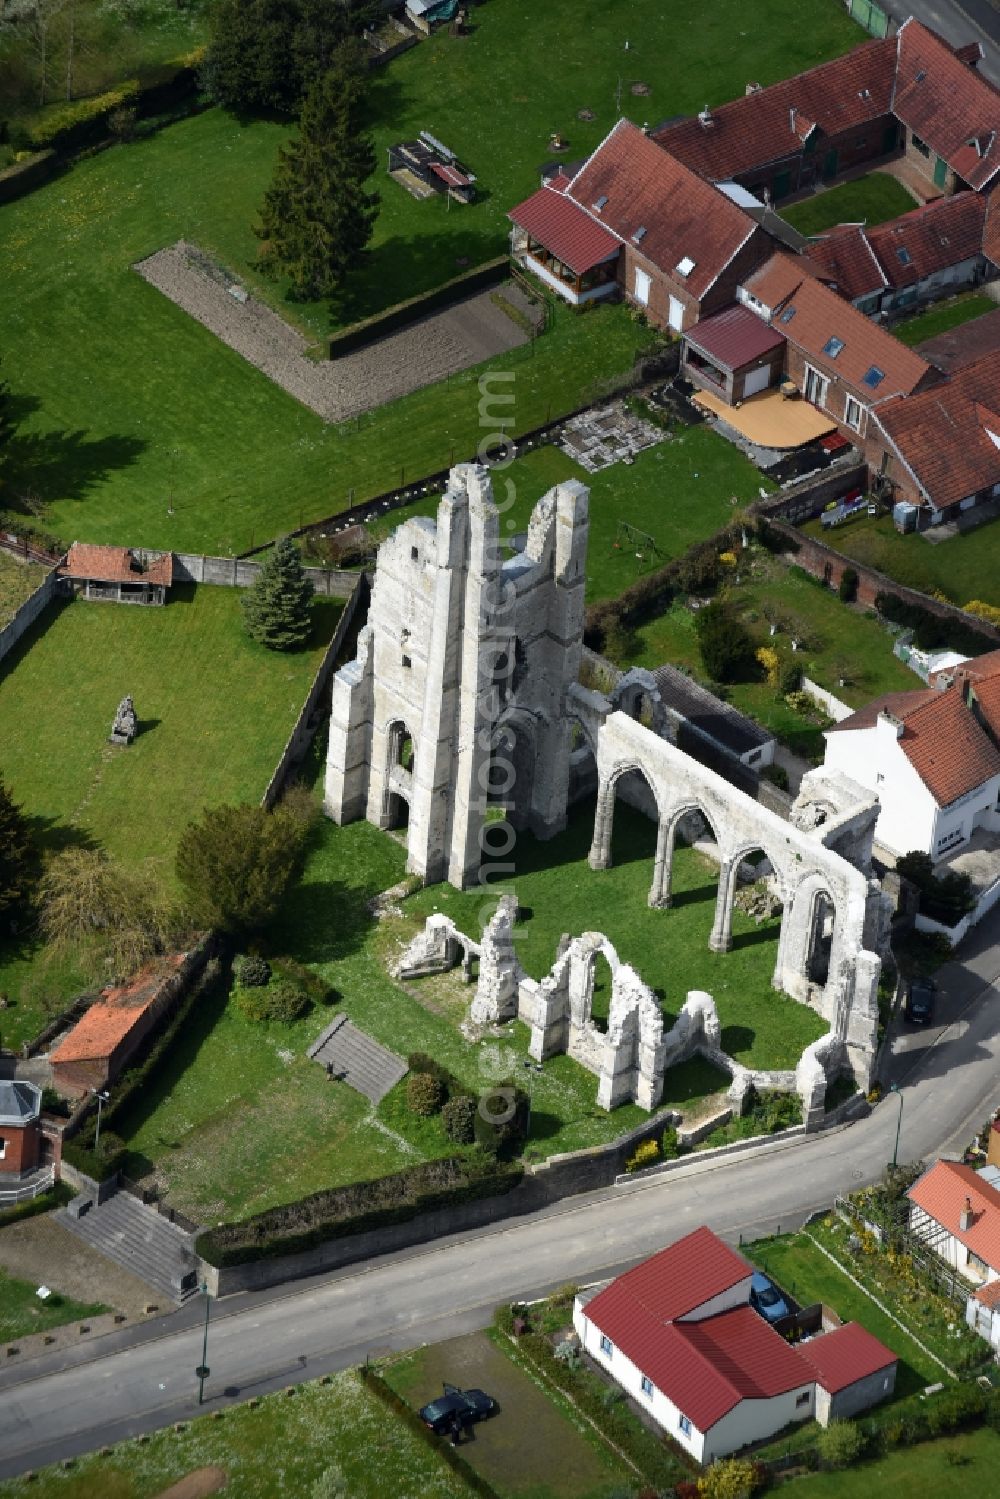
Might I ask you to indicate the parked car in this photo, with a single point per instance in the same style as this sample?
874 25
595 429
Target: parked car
464 1406
767 1299
920 1001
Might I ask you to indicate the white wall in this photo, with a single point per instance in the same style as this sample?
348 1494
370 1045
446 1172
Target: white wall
873 758
738 1295
753 1420
949 1249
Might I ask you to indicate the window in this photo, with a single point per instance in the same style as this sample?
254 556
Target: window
833 347
975 1263
3 1147
407 663
802 1399
600 202
414 555
787 315
642 286
852 413
917 143
647 1385
685 1425
606 1345
873 377
816 387
903 256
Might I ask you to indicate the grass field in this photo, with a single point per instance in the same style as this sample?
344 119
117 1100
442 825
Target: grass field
678 492
963 568
942 317
22 1313
839 642
870 200
214 710
271 1450
18 580
160 408
951 1468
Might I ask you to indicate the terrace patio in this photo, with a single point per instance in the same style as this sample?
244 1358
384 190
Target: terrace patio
770 420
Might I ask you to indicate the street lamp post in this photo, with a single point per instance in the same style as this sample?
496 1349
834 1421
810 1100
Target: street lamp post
894 1088
203 1371
101 1098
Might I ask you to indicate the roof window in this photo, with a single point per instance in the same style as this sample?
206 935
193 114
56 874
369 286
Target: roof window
833 347
600 202
873 377
864 93
640 234
920 76
903 255
684 267
787 315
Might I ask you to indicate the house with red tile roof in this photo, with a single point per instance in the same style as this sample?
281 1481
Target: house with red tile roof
950 113
679 1334
955 1210
634 219
931 759
123 575
98 1047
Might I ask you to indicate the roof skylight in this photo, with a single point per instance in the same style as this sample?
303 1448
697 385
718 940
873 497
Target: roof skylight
787 315
873 377
684 267
833 347
600 202
903 255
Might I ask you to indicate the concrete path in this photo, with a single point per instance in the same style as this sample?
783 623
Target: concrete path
264 1341
422 354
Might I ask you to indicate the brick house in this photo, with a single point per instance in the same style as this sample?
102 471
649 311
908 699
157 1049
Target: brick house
99 1046
636 220
949 112
21 1136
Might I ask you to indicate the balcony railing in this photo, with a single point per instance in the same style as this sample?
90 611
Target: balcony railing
34 1188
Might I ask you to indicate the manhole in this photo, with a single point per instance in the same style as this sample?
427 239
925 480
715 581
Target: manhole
585 114
640 88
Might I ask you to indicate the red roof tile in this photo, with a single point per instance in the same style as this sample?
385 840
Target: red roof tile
931 238
965 344
735 337
564 228
109 564
949 105
676 1281
841 1357
943 434
896 703
106 1024
988 1295
942 1192
761 127
656 204
809 315
991 229
845 259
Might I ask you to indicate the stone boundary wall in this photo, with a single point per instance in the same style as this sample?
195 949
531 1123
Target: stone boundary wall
807 498
237 572
305 725
719 1153
826 700
29 611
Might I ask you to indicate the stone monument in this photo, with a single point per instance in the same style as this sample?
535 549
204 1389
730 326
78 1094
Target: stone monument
124 728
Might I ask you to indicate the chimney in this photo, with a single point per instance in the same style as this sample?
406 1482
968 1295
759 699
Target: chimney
889 725
705 118
752 88
965 1217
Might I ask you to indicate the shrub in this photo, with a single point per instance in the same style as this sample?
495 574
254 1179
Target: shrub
931 629
98 1164
644 1155
989 612
769 660
840 1444
777 775
424 1094
790 680
848 586
501 1119
727 648
305 978
459 1119
82 121
670 1145
279 1000
251 971
945 898
731 1478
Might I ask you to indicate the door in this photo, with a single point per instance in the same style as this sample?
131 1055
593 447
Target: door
642 285
756 381
890 138
675 316
815 387
940 172
830 163
781 184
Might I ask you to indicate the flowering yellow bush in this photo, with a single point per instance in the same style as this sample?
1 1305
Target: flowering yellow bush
728 559
645 1155
767 657
989 612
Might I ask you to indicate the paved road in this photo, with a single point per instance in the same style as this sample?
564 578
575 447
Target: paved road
261 1342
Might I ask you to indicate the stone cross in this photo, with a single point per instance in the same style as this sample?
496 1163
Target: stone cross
123 730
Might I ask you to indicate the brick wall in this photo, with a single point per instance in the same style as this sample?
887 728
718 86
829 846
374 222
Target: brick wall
22 1148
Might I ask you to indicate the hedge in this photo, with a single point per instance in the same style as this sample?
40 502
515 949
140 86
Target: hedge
475 1483
56 1197
358 1208
932 629
317 988
420 1061
22 176
381 324
99 1165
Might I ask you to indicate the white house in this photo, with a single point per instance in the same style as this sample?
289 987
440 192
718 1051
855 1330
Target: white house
679 1335
932 760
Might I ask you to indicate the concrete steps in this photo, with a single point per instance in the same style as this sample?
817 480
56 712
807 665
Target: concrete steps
354 1058
135 1236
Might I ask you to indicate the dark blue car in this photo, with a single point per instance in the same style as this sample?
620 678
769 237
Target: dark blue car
463 1407
767 1299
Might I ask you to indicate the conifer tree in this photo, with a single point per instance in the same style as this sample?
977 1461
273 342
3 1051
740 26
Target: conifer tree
317 218
276 610
17 853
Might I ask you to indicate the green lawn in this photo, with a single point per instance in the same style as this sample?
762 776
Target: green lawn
269 1449
952 1468
871 200
22 1313
839 642
678 492
943 316
963 568
18 580
214 710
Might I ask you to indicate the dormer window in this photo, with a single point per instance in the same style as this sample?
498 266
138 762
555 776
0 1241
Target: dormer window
903 256
787 315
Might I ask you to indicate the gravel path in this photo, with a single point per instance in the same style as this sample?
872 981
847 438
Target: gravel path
428 351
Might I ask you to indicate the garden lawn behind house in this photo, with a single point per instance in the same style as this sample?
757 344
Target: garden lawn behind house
22 1313
943 316
215 710
18 581
952 1468
870 200
963 568
269 1449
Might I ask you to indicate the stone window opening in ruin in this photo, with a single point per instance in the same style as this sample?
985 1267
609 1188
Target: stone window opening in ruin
601 984
754 892
822 925
509 667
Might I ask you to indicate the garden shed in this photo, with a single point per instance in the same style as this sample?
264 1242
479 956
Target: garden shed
123 575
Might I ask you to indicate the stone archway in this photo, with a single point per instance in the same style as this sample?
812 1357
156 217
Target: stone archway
397 796
604 816
661 893
808 952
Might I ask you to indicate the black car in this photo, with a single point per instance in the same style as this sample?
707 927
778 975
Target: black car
462 1406
920 1001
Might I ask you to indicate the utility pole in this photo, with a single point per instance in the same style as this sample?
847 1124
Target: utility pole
203 1371
894 1088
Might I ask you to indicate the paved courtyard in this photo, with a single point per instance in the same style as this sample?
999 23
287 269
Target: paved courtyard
465 334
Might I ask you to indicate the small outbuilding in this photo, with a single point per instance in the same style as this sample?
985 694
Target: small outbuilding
20 1128
121 575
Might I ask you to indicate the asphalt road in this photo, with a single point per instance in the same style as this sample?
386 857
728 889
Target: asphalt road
128 1383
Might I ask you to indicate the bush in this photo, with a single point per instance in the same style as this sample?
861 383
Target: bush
727 648
306 979
777 775
769 660
501 1119
670 1146
840 1444
80 122
732 1478
790 680
424 1094
981 610
98 1164
251 971
847 589
459 1119
279 1000
945 898
930 629
644 1155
